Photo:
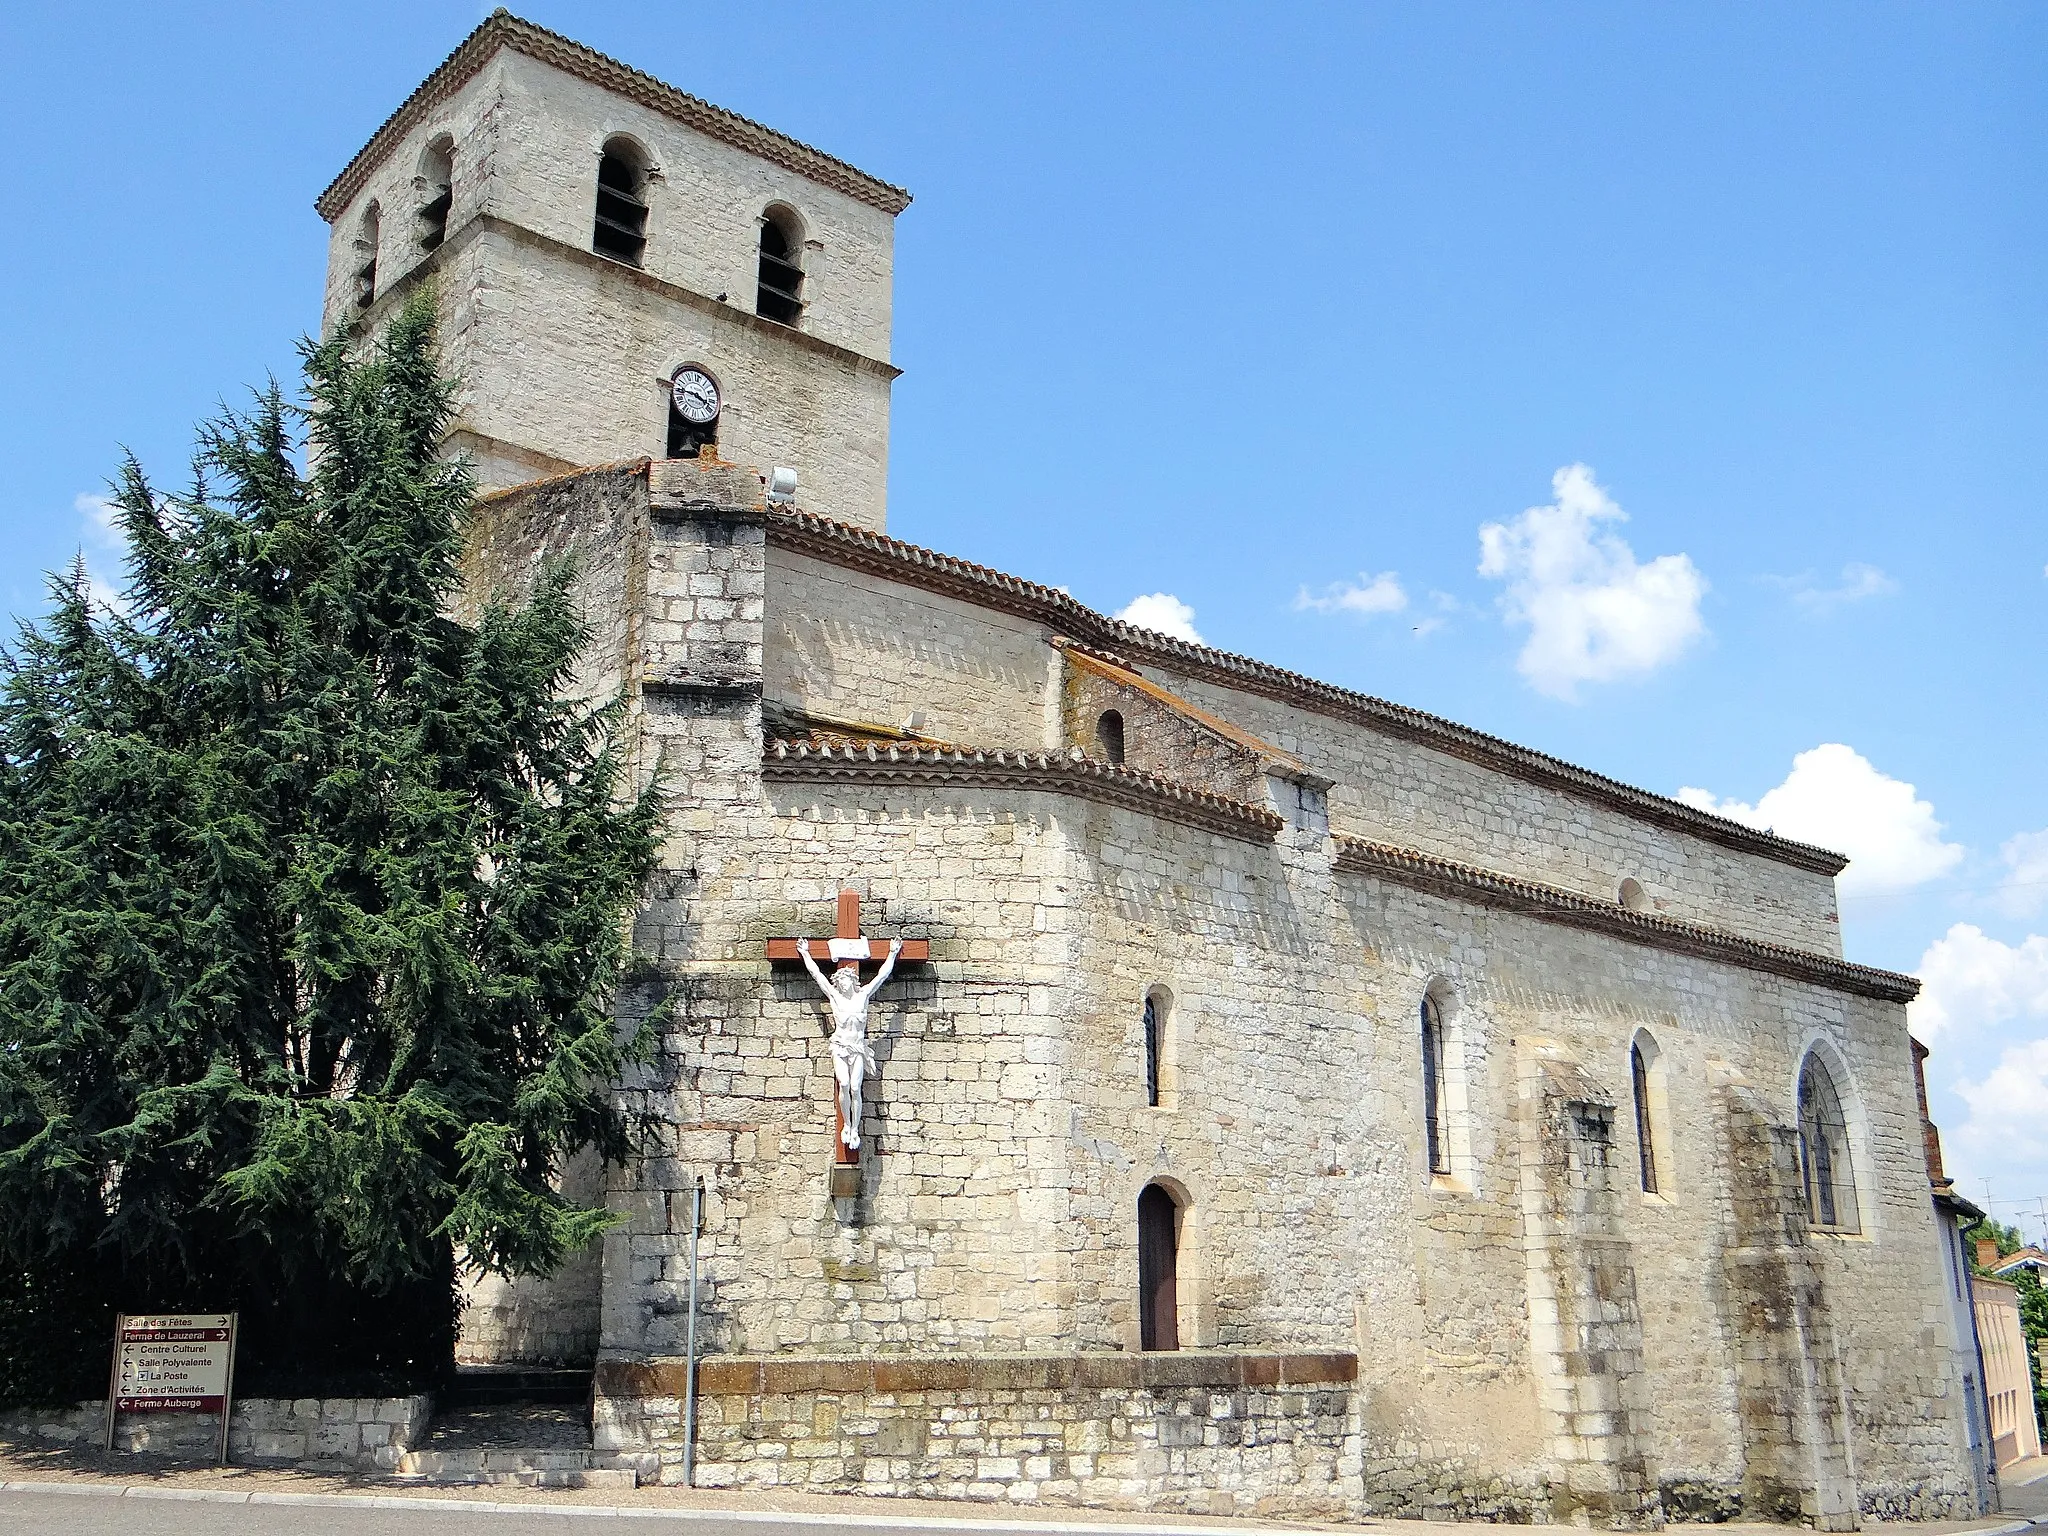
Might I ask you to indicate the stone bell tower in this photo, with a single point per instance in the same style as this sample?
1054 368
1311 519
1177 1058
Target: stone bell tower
595 233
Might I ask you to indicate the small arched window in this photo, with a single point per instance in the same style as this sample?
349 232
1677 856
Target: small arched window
1632 896
365 273
1646 1134
1824 1160
1435 1101
1109 735
621 228
1156 1043
780 294
436 187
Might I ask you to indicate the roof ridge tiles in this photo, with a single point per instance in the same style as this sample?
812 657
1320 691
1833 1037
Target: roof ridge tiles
1069 769
503 29
828 537
1359 855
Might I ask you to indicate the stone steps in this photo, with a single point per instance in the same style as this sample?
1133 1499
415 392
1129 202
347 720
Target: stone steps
496 1386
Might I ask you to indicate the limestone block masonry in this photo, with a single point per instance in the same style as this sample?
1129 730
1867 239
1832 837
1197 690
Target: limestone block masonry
1537 1337
332 1433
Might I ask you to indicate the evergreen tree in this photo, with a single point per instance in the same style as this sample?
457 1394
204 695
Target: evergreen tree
311 896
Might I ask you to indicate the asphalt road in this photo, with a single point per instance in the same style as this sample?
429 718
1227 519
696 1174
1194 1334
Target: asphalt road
162 1512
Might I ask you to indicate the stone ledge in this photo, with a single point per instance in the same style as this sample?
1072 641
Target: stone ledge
770 1375
1070 772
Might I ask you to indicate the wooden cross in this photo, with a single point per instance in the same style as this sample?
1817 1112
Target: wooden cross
847 949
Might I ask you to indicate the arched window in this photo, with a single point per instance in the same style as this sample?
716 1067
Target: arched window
365 273
1646 1136
621 228
1158 1269
780 295
1154 1047
1109 735
436 187
1435 1101
1824 1160
1632 896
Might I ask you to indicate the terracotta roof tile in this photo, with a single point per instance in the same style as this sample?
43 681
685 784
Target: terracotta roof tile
1552 903
501 29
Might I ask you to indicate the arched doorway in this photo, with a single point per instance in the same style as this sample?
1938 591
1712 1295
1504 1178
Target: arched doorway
1158 1274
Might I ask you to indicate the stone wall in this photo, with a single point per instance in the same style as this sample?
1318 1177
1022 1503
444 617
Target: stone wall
1195 1432
327 1433
842 645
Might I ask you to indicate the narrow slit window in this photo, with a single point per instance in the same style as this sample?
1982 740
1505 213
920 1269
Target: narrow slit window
437 194
620 231
1152 1050
1646 1147
1433 1096
779 296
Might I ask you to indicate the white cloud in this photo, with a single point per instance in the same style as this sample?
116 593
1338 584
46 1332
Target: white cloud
1162 612
1859 581
1593 613
105 547
1833 797
1367 595
2008 1108
1968 980
2025 887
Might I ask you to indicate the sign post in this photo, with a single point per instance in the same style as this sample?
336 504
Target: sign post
173 1363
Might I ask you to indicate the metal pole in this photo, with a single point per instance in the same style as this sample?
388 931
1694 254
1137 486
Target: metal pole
227 1402
690 1345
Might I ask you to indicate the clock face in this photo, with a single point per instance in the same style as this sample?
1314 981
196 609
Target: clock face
696 396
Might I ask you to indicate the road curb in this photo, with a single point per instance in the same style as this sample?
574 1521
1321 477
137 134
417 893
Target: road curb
415 1504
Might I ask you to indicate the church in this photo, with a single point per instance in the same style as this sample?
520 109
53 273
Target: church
1280 1100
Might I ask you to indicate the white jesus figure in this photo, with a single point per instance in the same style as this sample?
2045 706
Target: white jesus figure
852 1057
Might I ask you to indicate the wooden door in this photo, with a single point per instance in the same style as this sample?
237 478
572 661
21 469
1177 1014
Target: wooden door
1158 1313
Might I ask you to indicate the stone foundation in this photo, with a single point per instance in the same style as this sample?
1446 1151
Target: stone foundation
330 1433
1198 1431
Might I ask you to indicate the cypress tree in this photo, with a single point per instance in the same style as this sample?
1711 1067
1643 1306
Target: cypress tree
312 896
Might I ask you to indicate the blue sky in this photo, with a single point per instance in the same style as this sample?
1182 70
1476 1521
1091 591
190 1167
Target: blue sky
1272 310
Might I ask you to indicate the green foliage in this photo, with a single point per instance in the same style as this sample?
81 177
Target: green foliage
311 896
2007 1239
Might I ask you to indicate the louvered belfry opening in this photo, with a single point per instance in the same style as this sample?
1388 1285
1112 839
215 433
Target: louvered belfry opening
782 281
620 231
365 273
437 192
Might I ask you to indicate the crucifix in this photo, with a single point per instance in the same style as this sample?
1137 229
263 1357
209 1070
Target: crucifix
852 1057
